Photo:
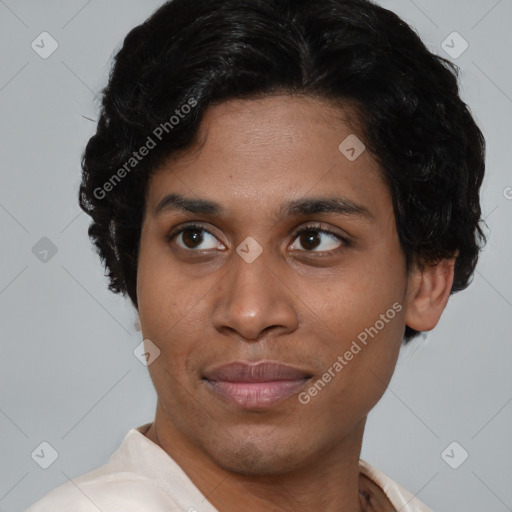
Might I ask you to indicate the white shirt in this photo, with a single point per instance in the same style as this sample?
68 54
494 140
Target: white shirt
141 477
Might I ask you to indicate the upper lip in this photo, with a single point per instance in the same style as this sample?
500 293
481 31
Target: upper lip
262 371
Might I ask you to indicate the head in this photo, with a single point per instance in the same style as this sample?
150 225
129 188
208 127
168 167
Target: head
279 179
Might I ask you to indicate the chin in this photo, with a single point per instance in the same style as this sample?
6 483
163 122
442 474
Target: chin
258 457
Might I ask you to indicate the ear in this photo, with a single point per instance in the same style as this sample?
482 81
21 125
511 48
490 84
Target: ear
428 291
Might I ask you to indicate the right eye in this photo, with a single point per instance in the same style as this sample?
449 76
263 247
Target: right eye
191 236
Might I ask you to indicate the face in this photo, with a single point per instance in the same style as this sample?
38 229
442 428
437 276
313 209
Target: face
268 244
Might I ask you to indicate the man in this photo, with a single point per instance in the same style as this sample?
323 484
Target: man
286 190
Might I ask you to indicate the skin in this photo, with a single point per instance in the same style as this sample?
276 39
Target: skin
291 304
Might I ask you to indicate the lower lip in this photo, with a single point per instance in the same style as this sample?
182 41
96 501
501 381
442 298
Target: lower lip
251 395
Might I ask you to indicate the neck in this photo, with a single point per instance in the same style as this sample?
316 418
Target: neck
329 482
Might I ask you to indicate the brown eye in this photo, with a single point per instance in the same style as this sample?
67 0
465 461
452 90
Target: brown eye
194 237
312 237
310 240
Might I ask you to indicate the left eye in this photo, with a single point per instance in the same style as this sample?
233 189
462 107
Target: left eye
311 238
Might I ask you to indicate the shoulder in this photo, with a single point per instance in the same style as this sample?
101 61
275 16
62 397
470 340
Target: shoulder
138 476
106 491
399 497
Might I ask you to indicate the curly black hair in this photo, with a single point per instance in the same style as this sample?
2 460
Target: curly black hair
190 54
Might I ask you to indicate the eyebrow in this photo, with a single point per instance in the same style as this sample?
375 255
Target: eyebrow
294 208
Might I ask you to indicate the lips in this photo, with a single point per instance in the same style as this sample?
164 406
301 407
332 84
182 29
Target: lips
255 385
264 371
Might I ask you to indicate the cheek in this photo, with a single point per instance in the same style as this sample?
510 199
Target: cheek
162 296
172 315
365 319
375 285
360 379
358 302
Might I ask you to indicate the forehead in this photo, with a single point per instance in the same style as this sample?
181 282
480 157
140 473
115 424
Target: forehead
271 153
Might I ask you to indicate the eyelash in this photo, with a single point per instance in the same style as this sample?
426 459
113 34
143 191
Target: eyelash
306 229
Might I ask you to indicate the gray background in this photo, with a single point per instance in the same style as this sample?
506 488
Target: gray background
68 375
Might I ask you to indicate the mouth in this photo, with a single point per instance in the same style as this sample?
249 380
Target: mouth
255 385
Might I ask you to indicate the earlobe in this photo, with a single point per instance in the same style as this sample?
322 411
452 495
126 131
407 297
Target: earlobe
428 293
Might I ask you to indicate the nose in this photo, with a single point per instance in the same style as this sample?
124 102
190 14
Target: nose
253 299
